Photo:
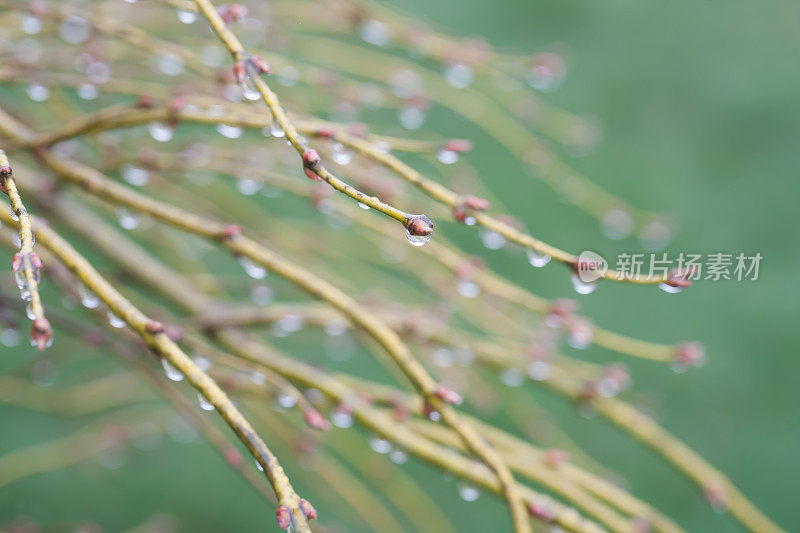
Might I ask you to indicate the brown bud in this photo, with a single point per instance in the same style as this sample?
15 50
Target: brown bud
690 354
145 101
681 278
230 231
419 226
448 395
316 420
233 457
260 65
41 333
284 515
308 509
16 262
458 145
476 203
36 261
541 511
311 158
154 327
555 457
239 71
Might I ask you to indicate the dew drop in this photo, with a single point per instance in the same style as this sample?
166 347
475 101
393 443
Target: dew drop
14 215
258 465
172 373
205 405
342 419
74 29
31 25
136 176
374 32
254 270
186 17
160 131
492 240
379 445
87 91
468 493
459 76
538 370
512 377
248 85
275 130
398 457
582 287
114 321
88 299
417 240
447 157
286 401
537 260
669 288
38 93
170 64
468 289
229 132
341 156
128 220
29 312
365 207
248 186
411 118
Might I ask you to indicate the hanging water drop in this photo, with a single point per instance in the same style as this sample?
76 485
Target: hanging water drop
160 132
31 24
379 445
398 457
275 130
258 465
669 288
582 287
341 156
468 289
87 91
38 93
417 240
286 401
248 84
29 312
187 17
467 492
88 299
341 418
114 321
74 29
492 240
128 220
172 373
205 405
459 76
365 207
447 157
229 132
136 176
252 269
538 260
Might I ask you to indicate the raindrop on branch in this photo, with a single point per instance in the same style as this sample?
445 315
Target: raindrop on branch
537 260
252 269
172 373
205 405
468 493
582 287
160 132
88 299
114 321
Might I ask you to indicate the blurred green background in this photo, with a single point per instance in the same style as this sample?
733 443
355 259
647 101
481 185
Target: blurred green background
698 102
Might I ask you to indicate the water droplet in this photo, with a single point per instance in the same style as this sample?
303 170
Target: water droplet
582 287
229 132
202 363
341 156
468 493
335 327
447 157
275 130
616 224
258 465
29 312
417 240
342 419
187 17
374 32
538 370
87 91
363 206
38 93
172 373
468 289
459 76
9 337
411 118
286 401
492 240
31 25
261 294
114 321
398 457
248 186
669 288
248 85
512 377
74 29
88 298
128 220
254 270
170 64
136 176
14 215
160 131
537 260
379 445
205 405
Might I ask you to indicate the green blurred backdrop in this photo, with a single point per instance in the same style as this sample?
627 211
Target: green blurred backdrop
699 106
